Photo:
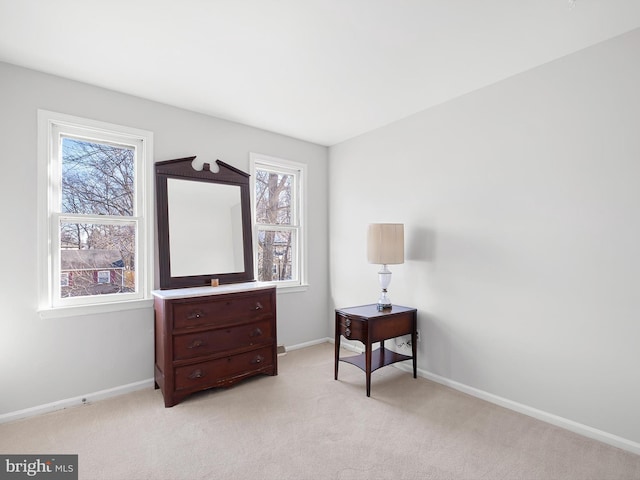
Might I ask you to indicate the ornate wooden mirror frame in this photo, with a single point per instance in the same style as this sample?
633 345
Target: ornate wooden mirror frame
182 169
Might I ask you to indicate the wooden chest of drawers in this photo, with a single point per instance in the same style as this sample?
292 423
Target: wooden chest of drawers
209 337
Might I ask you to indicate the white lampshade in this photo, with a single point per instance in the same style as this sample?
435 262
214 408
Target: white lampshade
385 243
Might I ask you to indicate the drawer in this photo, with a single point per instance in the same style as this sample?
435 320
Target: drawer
351 328
193 345
220 371
399 324
223 310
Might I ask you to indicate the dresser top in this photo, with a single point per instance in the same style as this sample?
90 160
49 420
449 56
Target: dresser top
206 290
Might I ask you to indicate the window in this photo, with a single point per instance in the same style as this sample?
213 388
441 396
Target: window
95 223
104 276
278 208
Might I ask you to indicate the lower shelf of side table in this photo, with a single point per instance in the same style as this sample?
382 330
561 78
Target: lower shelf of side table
379 358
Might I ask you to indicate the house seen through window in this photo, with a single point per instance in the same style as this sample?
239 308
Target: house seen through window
97 181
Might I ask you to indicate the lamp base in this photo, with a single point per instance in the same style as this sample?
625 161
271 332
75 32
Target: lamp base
384 302
382 307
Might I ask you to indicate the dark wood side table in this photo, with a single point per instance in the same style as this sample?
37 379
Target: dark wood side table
367 325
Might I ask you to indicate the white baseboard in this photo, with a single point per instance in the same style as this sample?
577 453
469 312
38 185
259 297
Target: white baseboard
307 344
579 428
102 394
561 422
75 401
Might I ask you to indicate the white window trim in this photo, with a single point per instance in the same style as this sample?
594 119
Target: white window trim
287 166
48 122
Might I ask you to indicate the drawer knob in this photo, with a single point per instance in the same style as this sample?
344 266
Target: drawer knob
196 344
195 315
256 333
347 332
196 374
347 322
257 359
258 306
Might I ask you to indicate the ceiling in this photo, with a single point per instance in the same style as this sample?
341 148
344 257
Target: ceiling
319 70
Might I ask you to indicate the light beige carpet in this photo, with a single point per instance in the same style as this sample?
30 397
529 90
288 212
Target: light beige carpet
302 424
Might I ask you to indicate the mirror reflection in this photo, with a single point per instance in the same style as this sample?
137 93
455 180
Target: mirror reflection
205 221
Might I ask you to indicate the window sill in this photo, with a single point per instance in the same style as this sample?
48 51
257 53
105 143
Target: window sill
292 288
61 312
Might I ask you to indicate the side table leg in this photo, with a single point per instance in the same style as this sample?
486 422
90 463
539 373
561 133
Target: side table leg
368 368
414 347
337 352
414 353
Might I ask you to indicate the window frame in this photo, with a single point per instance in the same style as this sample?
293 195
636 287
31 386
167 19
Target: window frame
260 161
52 127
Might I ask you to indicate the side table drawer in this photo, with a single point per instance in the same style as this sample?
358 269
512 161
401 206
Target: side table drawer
398 324
351 328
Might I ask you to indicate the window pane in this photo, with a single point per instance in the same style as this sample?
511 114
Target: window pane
274 198
96 259
275 255
97 178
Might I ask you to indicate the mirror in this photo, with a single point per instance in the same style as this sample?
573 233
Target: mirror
189 203
204 224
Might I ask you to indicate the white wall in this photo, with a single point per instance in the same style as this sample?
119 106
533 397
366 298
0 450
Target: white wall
48 360
521 205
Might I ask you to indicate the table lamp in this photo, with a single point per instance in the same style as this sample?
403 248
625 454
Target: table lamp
385 246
